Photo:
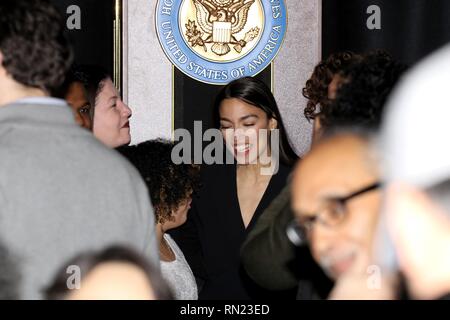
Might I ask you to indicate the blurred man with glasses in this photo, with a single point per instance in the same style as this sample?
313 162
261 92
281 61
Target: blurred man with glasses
267 254
336 200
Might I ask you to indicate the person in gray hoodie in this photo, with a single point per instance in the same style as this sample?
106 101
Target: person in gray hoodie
61 190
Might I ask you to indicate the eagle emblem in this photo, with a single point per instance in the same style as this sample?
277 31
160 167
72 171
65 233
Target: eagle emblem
218 23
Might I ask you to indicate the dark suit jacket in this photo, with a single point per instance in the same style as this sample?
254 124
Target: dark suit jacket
267 251
212 236
273 262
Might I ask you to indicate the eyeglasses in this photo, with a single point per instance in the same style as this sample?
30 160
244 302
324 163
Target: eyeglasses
331 214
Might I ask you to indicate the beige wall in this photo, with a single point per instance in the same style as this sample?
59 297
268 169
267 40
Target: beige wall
293 66
149 72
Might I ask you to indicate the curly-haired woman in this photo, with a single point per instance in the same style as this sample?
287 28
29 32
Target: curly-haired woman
170 187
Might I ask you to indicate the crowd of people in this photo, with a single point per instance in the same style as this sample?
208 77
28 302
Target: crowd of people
364 214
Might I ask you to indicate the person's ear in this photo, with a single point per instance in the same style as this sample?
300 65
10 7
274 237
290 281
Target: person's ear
273 124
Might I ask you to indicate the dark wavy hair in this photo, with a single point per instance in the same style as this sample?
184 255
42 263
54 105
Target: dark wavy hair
256 93
361 100
94 78
35 50
73 75
88 261
168 183
316 88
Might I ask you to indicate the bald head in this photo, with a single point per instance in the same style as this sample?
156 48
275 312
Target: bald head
335 168
342 161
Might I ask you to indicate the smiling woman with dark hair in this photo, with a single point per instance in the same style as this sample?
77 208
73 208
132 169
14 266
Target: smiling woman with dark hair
233 196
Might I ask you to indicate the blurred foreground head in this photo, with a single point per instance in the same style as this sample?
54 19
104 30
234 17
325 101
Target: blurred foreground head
415 145
117 273
336 199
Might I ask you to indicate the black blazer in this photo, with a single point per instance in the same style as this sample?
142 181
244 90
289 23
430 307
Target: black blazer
212 236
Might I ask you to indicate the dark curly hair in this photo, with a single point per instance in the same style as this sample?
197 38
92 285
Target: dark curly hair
361 100
169 184
73 75
316 88
35 50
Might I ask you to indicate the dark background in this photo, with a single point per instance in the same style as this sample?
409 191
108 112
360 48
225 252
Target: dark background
410 29
93 44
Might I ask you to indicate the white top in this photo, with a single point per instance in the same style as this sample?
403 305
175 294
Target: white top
178 274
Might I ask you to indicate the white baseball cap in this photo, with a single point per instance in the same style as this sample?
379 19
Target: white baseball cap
415 135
